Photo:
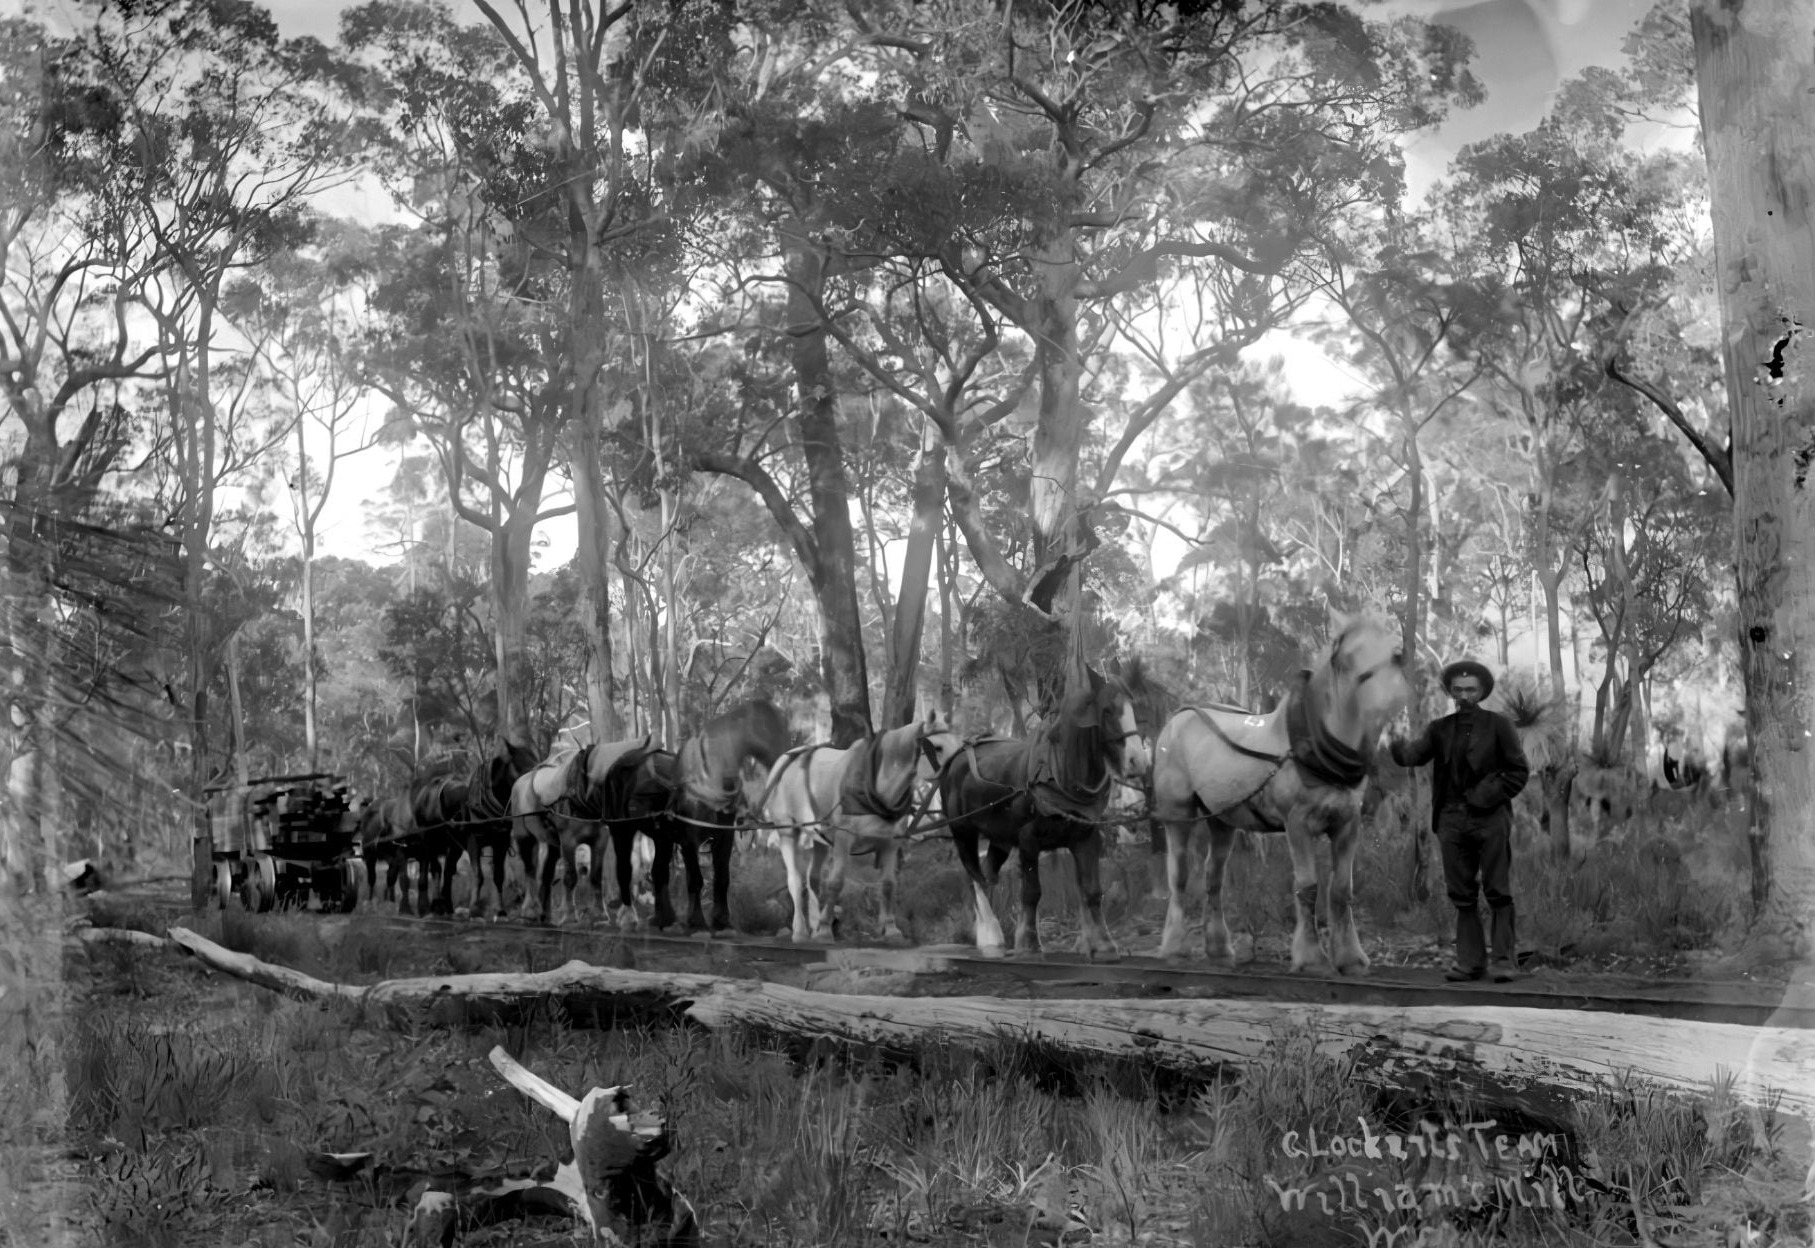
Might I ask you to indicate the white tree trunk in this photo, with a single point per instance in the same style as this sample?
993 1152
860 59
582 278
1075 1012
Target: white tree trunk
1757 83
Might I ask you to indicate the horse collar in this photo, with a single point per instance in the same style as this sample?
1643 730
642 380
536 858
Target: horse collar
1314 747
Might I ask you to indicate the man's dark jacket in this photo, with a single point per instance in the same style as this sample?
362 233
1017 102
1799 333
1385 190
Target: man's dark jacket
1493 769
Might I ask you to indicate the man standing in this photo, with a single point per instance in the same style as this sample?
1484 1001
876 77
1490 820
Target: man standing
1480 767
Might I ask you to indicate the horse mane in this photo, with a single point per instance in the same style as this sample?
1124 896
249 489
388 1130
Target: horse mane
1075 736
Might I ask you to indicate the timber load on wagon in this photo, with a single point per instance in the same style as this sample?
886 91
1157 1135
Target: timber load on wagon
280 839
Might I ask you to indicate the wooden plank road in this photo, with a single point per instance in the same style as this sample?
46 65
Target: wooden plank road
958 970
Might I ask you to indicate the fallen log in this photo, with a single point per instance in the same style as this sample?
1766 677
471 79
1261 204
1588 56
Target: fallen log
1519 1052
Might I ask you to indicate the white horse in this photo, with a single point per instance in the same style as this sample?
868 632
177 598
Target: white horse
840 802
1300 770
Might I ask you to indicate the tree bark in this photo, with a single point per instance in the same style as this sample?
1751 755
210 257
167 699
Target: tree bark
1758 128
510 557
833 572
593 568
1059 432
916 576
1572 1050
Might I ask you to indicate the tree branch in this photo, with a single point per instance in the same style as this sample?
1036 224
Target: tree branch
757 478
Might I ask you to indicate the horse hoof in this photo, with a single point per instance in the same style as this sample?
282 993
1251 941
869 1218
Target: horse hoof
1107 955
1354 970
991 951
896 940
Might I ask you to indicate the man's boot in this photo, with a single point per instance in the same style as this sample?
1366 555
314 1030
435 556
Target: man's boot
1471 949
1506 951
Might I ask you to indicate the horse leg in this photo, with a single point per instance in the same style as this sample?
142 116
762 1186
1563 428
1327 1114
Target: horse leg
475 854
696 883
450 869
1307 951
723 841
830 863
661 867
524 842
621 909
1027 925
548 854
500 847
799 928
570 879
888 861
1217 946
423 857
1093 932
1177 835
990 942
1345 942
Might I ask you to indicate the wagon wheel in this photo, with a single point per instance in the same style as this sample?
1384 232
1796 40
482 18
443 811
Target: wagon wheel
264 869
352 875
223 883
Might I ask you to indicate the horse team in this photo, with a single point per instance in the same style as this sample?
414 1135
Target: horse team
1300 769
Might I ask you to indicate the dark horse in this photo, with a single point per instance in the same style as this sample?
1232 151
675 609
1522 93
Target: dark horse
1046 794
722 766
447 816
624 789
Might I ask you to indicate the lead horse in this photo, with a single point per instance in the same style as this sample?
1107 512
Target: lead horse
1301 769
834 803
1046 793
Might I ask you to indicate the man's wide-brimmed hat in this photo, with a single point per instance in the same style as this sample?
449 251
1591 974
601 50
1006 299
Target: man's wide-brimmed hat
1468 667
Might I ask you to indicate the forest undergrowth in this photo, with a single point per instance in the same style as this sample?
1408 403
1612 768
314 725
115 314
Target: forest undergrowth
196 1105
193 1105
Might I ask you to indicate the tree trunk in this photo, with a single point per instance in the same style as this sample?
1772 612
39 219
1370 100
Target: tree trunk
593 567
1604 694
1758 125
1570 1050
242 766
948 685
510 555
1409 634
834 572
1559 778
916 573
305 511
1059 433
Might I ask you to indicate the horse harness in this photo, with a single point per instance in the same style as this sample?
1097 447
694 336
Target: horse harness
857 792
1319 753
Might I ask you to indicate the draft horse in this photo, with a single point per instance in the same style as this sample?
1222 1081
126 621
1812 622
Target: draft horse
835 803
1302 769
623 790
448 816
569 801
719 769
1046 793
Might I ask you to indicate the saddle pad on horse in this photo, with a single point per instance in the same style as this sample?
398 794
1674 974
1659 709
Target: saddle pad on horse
548 780
857 793
1260 737
608 756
